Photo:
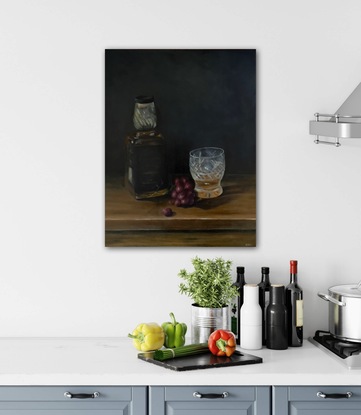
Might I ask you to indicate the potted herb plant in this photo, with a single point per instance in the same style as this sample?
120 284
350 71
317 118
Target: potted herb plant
211 287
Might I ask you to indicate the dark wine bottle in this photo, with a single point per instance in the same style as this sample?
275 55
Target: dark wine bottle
294 305
264 291
237 304
276 319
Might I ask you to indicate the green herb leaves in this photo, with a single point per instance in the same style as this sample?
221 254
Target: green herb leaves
210 284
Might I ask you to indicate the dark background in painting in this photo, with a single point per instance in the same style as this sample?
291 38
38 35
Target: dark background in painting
203 98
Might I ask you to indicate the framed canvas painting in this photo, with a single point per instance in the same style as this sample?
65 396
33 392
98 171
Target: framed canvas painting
180 147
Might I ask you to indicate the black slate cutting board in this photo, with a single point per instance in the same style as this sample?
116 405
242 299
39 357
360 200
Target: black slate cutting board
202 361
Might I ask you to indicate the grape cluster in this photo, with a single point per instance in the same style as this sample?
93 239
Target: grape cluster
182 193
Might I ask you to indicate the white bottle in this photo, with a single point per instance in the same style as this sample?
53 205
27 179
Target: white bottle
251 318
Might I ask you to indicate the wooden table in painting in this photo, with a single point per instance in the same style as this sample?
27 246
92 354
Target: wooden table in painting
228 220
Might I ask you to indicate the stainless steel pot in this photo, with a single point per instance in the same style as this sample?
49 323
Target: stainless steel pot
344 311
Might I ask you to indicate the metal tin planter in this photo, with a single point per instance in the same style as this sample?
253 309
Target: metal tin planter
207 320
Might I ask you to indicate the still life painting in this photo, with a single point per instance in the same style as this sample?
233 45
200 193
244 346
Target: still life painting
180 147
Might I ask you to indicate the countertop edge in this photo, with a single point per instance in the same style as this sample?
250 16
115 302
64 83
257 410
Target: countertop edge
114 362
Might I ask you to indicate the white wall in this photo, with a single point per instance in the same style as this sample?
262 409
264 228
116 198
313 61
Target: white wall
56 277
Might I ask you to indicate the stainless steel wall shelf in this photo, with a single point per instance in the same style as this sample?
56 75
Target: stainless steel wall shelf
340 124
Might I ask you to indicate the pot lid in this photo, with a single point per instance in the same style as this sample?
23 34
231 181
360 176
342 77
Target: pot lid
349 290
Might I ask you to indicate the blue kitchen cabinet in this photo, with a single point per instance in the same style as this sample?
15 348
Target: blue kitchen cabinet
180 400
71 400
200 400
316 400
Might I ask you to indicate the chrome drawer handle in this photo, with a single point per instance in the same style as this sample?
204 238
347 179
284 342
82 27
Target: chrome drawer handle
81 395
211 395
346 395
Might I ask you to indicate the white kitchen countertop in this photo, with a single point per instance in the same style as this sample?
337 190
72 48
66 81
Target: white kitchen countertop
113 361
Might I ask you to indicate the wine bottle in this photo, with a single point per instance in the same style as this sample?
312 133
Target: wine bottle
251 318
264 292
294 305
276 319
237 304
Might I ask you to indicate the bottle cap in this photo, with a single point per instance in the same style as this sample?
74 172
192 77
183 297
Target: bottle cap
293 266
240 270
277 292
144 99
265 270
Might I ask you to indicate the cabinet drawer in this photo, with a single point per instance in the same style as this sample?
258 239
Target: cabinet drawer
311 393
303 400
186 393
56 393
200 400
80 400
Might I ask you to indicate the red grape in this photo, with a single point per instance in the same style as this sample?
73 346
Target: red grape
167 211
182 193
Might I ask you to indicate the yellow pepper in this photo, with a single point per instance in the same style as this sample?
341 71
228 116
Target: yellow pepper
147 336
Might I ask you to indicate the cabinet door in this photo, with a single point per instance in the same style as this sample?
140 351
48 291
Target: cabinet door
316 400
197 400
70 400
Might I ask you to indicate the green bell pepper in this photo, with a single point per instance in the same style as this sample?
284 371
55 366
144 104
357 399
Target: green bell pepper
174 333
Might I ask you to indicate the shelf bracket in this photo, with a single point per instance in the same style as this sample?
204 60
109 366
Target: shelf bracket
340 124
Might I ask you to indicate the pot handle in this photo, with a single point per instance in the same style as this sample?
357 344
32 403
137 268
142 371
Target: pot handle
326 297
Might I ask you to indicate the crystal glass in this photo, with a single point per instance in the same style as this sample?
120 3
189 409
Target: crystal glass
207 166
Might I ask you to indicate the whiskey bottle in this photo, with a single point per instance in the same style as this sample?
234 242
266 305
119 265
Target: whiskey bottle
146 159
